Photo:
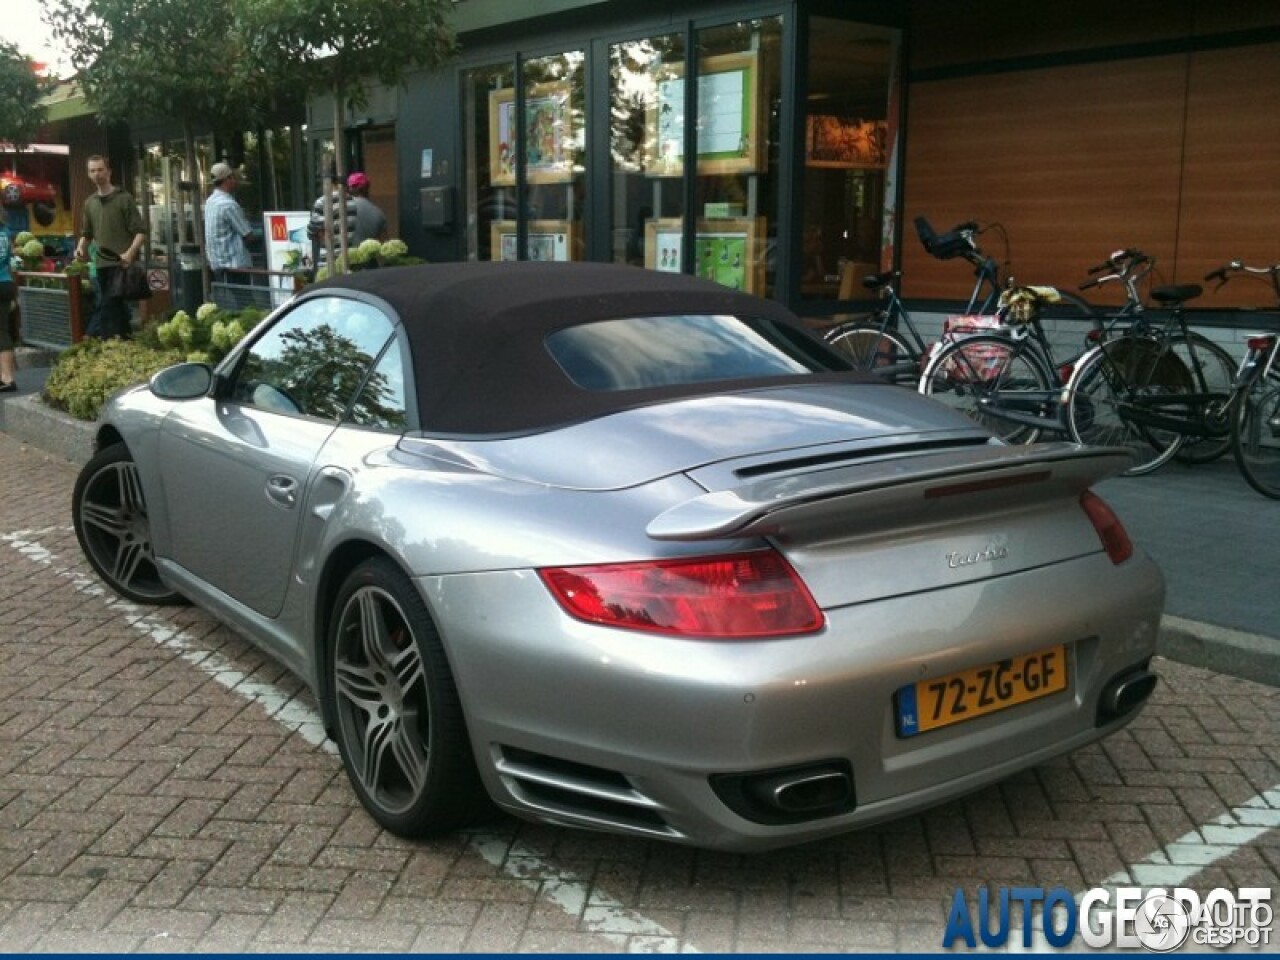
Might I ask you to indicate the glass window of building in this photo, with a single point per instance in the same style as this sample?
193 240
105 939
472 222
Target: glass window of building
736 182
646 191
489 181
850 134
554 159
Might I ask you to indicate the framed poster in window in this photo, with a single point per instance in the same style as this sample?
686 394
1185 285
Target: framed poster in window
850 144
729 251
730 127
549 134
548 240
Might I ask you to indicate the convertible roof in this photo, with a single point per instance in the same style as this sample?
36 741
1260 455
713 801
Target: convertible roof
477 330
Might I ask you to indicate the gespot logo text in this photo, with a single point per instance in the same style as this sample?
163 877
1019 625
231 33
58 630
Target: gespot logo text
1104 918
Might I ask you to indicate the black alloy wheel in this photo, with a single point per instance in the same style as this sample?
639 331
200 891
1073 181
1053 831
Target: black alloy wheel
395 709
111 523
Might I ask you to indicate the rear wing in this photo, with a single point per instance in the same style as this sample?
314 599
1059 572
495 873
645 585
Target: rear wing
870 494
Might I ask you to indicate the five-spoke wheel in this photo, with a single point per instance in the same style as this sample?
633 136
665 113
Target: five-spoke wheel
394 707
110 517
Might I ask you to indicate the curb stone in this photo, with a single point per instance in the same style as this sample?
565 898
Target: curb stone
1221 649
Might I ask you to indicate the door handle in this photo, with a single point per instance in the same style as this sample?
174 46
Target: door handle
283 490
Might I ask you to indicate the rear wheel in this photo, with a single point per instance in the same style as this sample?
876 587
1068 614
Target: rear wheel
1255 436
982 375
1101 395
1218 370
395 708
868 347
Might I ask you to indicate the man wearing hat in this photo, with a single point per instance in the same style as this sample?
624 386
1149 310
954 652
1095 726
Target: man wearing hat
226 230
364 220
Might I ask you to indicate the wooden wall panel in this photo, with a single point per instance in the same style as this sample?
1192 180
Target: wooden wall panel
952 32
1231 183
1074 161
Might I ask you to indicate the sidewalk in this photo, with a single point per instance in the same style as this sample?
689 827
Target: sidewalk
1212 535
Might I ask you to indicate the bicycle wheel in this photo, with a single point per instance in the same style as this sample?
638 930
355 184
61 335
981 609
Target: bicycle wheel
981 375
867 347
1255 436
1219 371
1102 386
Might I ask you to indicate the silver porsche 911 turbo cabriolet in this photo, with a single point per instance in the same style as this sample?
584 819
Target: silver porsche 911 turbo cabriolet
627 551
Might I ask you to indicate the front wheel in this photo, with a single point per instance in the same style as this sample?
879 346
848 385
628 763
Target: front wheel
1105 393
395 709
1255 436
111 523
993 380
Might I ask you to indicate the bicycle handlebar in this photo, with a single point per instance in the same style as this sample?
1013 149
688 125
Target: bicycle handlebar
1122 264
1223 274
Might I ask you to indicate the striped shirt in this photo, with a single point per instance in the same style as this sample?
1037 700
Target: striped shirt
225 230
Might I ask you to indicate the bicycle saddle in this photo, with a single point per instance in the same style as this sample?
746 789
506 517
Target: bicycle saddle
1176 294
877 281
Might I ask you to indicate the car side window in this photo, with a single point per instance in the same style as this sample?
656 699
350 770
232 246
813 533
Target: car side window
311 362
381 403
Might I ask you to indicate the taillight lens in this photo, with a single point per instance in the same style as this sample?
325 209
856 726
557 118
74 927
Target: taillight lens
735 596
1110 530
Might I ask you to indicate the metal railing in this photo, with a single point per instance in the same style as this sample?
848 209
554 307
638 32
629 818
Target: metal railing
53 309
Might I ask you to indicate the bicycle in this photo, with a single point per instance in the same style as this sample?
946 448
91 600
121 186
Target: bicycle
878 342
1153 386
1215 367
887 342
1255 427
1006 375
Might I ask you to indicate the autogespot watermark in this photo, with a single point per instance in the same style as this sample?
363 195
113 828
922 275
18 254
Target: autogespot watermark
1104 918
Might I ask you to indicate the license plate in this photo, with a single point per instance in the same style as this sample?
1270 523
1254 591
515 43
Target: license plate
930 704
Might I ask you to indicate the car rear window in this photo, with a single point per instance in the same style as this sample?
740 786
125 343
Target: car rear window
632 353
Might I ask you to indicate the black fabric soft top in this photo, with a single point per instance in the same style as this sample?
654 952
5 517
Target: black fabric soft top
476 334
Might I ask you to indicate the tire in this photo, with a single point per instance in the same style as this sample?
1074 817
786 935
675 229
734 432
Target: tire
1098 387
867 347
12 195
395 709
1255 436
980 367
112 526
1219 373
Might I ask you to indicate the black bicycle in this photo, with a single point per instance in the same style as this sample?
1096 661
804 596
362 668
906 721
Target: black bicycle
885 342
1255 425
996 363
1153 387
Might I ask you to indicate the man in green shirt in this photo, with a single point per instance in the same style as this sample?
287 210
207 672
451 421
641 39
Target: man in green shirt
112 222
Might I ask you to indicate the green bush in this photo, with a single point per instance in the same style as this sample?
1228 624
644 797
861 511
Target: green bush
85 376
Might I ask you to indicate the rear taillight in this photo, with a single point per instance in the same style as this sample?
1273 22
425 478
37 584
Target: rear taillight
1110 530
736 596
1260 342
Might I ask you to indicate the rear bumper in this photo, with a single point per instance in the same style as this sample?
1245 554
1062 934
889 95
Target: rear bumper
622 731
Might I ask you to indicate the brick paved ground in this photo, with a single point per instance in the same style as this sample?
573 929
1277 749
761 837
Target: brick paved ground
160 791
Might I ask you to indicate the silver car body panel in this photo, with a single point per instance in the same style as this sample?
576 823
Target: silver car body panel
837 494
666 712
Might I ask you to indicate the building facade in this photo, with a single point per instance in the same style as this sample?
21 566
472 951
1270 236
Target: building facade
822 129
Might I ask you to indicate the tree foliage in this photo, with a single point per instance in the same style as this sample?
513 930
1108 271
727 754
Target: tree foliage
339 48
161 59
21 112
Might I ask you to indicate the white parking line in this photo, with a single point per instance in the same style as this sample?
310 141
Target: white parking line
598 912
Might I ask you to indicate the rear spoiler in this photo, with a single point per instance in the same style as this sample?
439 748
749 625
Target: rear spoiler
869 494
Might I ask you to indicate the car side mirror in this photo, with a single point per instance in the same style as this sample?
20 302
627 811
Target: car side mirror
184 381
